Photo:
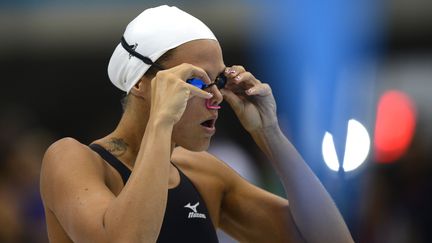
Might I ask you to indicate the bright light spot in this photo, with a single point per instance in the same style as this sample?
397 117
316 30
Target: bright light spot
395 125
329 152
357 145
356 148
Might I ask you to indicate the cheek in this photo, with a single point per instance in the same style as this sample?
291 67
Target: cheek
194 108
187 131
189 119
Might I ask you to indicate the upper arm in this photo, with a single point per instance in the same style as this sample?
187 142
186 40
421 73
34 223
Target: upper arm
73 188
251 214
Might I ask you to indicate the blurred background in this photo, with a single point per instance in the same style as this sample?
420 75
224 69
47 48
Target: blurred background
352 79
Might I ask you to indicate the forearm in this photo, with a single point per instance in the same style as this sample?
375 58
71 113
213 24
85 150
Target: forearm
313 210
137 213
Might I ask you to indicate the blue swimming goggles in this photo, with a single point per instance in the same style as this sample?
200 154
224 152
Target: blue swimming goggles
219 82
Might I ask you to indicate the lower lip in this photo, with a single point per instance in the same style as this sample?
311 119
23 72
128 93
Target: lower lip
209 130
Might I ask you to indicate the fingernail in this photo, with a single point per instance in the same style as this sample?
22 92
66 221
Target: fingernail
210 95
237 77
250 91
230 71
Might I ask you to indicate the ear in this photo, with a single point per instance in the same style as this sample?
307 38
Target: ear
138 89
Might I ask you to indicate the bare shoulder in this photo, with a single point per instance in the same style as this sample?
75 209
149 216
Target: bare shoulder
66 153
63 159
65 146
204 163
74 192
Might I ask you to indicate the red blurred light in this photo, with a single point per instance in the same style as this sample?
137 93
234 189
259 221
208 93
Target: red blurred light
395 124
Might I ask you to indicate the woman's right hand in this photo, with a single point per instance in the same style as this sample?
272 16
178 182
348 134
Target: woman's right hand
170 92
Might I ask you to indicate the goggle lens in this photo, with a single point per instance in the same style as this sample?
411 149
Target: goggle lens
219 82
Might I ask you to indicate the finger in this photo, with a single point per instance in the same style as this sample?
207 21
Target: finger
187 71
245 79
235 102
194 91
260 90
231 72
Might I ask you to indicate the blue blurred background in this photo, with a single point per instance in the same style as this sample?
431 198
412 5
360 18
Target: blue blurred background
352 79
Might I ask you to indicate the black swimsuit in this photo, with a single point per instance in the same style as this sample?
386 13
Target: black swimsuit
186 217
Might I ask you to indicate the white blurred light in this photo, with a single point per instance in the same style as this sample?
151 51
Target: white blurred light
329 152
356 148
357 145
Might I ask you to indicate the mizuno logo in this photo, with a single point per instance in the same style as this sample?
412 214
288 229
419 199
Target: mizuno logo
195 213
192 207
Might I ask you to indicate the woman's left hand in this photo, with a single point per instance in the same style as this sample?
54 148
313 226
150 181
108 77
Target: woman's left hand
251 100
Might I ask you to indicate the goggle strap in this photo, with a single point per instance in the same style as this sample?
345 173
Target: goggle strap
130 49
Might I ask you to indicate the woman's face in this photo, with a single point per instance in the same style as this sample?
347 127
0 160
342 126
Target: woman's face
197 125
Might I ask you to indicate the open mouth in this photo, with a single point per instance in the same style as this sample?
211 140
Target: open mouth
209 123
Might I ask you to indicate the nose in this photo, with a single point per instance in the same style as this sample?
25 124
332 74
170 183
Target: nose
213 103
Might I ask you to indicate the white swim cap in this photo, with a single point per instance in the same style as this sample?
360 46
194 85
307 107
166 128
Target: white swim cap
152 33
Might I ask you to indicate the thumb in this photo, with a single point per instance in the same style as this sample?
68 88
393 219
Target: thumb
232 99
